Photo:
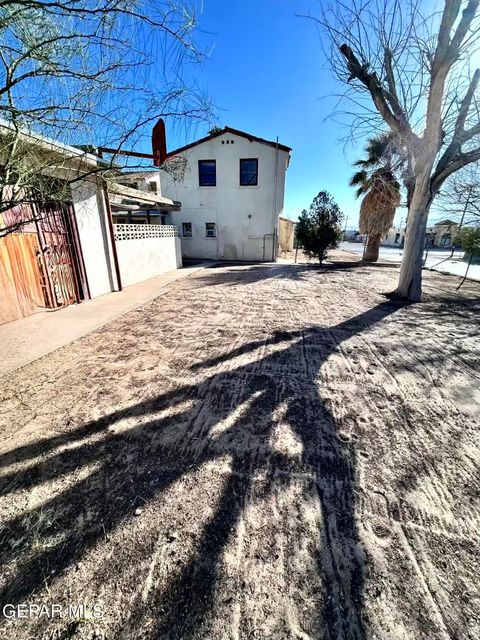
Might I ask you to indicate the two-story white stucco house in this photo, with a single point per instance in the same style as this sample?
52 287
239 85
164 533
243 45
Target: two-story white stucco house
231 185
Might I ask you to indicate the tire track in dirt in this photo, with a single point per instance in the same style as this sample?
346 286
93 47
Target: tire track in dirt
282 490
395 511
435 608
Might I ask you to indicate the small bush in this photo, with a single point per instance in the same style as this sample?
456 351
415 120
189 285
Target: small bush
319 228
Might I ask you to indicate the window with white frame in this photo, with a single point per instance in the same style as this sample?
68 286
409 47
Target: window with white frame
187 229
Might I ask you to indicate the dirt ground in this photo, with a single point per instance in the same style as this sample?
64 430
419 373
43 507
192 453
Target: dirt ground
263 452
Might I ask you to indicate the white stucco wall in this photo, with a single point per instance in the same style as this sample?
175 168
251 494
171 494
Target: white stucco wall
243 214
94 237
147 257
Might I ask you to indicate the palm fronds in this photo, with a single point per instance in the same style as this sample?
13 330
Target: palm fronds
361 181
376 182
378 207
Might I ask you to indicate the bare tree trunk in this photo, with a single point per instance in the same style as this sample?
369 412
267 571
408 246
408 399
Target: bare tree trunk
410 281
373 247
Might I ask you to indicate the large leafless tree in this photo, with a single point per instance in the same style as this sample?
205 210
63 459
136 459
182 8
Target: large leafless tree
89 72
412 68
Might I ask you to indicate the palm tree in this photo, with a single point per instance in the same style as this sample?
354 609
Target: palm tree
377 183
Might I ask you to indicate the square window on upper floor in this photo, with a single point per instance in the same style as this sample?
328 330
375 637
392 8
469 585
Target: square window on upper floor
249 172
207 173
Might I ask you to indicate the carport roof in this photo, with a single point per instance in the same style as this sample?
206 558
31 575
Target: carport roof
120 193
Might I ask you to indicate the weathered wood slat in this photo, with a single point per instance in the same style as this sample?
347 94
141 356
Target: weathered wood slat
21 291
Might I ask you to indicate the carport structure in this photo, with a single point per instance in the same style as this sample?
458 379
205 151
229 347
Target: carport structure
41 257
130 205
60 249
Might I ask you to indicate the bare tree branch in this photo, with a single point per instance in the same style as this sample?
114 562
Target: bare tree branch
450 13
460 136
392 95
467 18
372 83
460 161
446 53
460 132
90 72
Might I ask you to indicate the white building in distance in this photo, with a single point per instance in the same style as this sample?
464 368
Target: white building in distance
441 234
231 185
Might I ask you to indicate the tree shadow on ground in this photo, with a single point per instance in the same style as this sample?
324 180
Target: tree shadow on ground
241 274
147 459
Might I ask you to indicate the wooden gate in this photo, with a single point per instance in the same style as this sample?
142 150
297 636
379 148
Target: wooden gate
42 268
22 282
61 251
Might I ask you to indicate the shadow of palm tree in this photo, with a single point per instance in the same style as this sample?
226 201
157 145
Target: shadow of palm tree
165 447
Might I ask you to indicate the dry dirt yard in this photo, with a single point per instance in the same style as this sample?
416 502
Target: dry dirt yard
263 452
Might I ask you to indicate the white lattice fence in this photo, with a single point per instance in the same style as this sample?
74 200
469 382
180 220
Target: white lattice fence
141 231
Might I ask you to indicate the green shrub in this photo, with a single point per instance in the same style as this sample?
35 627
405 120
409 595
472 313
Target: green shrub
468 239
318 229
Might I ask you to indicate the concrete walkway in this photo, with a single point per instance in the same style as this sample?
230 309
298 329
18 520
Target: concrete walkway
25 340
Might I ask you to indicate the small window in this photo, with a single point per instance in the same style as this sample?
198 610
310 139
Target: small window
207 173
210 230
187 229
248 172
152 186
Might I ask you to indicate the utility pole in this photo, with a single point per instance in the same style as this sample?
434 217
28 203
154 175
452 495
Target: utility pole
345 229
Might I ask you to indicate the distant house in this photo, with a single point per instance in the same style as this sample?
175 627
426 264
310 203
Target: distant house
352 235
231 187
439 235
442 234
394 237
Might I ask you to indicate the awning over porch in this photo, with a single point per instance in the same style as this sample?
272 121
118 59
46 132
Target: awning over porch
124 198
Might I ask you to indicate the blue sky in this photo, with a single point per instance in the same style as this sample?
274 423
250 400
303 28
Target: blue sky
266 75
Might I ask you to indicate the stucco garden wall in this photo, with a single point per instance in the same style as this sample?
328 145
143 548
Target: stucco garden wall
140 257
89 209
